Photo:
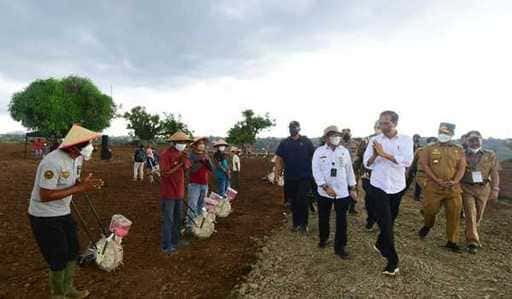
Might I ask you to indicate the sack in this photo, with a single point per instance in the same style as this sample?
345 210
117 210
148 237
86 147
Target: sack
109 253
231 194
223 209
204 225
140 156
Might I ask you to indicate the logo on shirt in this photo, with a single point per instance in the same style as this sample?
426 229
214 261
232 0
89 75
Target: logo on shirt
48 174
65 174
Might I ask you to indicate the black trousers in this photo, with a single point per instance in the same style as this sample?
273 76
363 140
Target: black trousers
369 205
324 214
57 239
296 192
386 207
417 191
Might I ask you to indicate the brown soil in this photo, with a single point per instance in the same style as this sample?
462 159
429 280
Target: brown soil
207 268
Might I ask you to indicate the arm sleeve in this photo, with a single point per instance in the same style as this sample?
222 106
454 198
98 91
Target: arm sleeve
317 172
48 175
368 153
351 177
405 154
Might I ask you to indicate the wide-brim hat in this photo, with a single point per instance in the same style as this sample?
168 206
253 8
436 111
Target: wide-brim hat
77 135
197 139
180 136
331 129
220 142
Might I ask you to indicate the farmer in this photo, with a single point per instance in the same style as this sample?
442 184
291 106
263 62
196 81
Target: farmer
235 167
222 173
353 147
139 158
295 154
173 162
444 164
480 183
49 210
334 176
198 183
388 155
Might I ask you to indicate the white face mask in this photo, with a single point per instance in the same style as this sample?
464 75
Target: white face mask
180 146
86 152
335 140
444 138
475 150
222 148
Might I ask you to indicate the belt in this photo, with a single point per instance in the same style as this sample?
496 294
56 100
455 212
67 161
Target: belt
475 184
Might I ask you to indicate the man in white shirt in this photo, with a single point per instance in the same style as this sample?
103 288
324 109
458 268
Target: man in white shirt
235 167
334 176
387 156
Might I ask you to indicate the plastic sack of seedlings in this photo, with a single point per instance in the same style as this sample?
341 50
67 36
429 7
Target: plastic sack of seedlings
204 225
223 209
231 194
109 253
120 225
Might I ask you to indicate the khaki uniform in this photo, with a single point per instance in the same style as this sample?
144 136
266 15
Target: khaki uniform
354 147
443 160
476 194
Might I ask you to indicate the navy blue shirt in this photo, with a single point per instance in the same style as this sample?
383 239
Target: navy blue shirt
297 156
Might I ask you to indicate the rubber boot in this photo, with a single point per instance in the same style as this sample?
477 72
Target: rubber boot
70 290
56 283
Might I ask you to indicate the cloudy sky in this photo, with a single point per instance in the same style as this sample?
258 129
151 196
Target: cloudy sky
320 62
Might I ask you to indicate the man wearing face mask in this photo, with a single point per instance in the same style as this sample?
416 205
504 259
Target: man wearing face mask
336 181
387 156
353 147
198 182
173 164
480 183
294 155
57 180
444 164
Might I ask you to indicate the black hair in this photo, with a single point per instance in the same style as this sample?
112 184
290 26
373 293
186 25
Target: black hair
392 114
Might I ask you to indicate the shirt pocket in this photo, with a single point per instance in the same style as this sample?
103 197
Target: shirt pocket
65 177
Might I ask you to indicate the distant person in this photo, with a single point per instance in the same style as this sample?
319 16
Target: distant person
235 167
371 219
53 226
222 173
387 156
201 166
353 147
294 155
174 163
480 184
336 181
150 162
444 164
139 158
415 172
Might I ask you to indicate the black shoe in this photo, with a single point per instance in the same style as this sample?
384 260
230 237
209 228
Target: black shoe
343 254
417 198
453 247
304 230
473 249
294 229
391 270
322 244
369 227
423 232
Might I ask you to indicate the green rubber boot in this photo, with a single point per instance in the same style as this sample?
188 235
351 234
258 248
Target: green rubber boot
69 288
56 283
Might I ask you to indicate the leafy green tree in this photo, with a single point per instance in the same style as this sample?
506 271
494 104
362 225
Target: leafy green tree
52 106
170 124
244 132
144 125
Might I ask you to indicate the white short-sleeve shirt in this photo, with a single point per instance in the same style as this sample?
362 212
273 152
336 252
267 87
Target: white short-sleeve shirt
55 172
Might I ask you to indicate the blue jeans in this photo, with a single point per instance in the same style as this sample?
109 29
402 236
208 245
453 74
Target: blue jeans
171 216
222 184
196 195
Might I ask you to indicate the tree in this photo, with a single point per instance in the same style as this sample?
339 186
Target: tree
171 124
52 106
144 125
244 132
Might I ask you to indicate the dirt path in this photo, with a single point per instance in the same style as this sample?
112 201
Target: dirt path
292 266
206 269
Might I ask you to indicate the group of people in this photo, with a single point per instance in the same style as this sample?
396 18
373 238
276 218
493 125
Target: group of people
145 158
191 155
450 175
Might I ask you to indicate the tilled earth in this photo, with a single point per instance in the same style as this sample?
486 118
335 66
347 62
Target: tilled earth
292 266
205 269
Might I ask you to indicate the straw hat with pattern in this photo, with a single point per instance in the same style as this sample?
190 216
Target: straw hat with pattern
77 135
180 136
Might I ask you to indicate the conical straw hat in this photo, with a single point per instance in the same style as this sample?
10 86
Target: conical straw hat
77 135
220 142
180 136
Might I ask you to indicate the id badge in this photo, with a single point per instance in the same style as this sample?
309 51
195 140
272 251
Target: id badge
334 172
477 177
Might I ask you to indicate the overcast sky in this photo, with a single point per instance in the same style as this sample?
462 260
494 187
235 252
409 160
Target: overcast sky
319 62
